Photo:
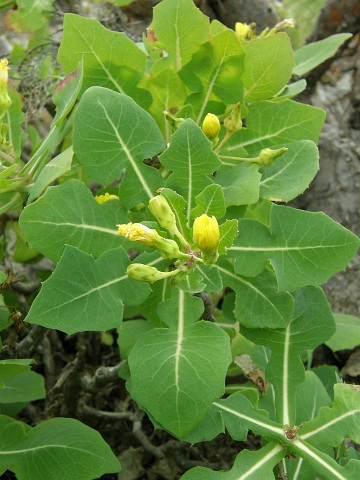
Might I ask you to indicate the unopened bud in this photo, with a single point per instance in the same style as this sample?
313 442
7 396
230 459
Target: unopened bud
104 198
207 237
211 126
267 156
5 100
233 122
145 273
161 210
242 30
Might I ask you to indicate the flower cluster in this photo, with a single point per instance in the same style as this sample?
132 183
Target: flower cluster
205 233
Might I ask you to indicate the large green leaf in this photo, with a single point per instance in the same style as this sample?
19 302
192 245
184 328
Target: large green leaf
249 465
58 448
258 302
347 335
191 160
84 294
210 201
240 183
275 123
177 372
110 59
68 214
312 324
268 65
305 248
23 387
112 133
291 173
310 56
340 421
179 28
214 72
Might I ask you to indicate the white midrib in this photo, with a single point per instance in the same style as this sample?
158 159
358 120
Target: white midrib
189 205
278 448
89 292
259 139
282 249
285 389
232 275
129 156
41 447
180 338
318 459
328 424
100 62
270 428
77 225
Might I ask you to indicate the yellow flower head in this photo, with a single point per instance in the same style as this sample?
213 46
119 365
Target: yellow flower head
105 197
207 237
242 30
137 232
211 126
4 71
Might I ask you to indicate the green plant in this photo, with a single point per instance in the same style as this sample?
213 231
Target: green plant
134 112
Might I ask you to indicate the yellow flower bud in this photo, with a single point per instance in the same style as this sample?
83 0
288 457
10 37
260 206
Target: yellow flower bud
207 237
242 30
211 126
137 232
5 100
161 210
145 273
104 198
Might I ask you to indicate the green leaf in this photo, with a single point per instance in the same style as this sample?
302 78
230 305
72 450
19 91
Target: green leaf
22 387
128 334
268 66
179 28
111 134
214 72
191 160
84 294
31 15
294 121
211 277
15 118
291 173
110 59
310 56
291 90
210 202
310 396
69 214
249 465
9 368
57 167
169 95
58 448
240 183
228 232
258 302
340 421
177 372
347 335
324 464
67 92
311 324
305 248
